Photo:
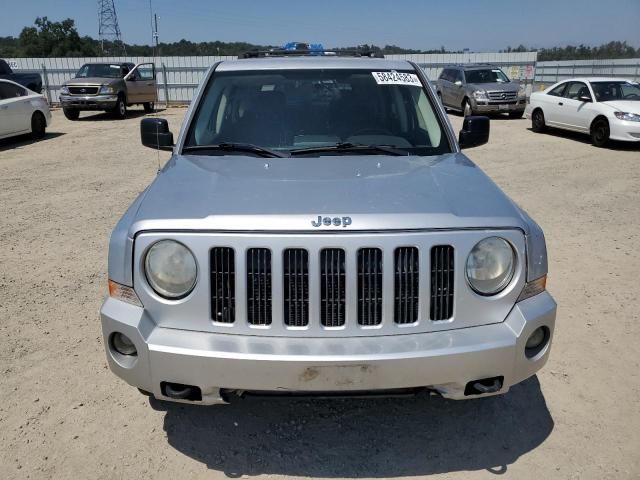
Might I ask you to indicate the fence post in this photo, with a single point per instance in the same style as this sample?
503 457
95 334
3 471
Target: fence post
557 72
45 77
166 87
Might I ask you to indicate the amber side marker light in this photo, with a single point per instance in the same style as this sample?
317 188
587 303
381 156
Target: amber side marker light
123 293
532 288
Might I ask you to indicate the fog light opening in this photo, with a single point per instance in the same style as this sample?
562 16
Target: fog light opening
536 342
123 344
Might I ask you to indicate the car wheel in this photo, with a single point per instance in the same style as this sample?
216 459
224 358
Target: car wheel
516 115
538 124
149 107
600 132
38 125
120 111
71 113
466 108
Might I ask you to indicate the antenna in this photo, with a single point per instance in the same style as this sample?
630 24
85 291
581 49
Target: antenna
108 29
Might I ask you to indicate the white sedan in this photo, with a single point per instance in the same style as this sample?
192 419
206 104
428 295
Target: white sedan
22 111
605 108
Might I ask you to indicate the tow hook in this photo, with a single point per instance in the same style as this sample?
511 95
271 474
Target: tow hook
483 386
181 392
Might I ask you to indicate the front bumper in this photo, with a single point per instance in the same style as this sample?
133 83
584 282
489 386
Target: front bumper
443 361
88 102
624 130
484 106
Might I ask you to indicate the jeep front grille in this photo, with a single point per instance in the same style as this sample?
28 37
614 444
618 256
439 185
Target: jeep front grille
314 292
442 276
259 286
406 285
332 287
296 287
369 286
223 284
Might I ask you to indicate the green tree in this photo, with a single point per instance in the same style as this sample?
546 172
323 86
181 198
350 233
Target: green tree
54 39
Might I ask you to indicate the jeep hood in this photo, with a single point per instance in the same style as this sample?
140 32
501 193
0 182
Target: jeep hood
240 193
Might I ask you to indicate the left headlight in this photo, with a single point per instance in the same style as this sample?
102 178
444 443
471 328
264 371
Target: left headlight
171 269
630 117
64 90
490 265
522 91
106 89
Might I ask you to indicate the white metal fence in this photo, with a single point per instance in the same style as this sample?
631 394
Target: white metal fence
548 73
178 77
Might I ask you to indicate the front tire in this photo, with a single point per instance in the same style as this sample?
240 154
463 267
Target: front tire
38 126
71 113
120 110
149 107
538 123
600 133
516 115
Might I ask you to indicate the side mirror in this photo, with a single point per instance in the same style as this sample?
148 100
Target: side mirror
154 133
585 98
458 83
475 132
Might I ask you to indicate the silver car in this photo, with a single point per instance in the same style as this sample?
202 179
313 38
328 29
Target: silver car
474 89
317 231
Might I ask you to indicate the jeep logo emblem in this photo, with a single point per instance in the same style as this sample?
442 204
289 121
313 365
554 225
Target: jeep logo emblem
328 221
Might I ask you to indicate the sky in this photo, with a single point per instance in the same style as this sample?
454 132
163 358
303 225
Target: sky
479 25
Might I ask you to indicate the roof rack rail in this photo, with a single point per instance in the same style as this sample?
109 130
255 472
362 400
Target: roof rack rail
277 52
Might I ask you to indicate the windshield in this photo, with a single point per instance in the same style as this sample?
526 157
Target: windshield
490 75
606 91
286 110
99 70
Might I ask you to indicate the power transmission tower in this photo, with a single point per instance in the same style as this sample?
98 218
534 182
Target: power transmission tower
108 29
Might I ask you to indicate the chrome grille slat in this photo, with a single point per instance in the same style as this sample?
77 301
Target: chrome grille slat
222 269
296 287
259 286
369 286
332 294
406 285
498 95
442 277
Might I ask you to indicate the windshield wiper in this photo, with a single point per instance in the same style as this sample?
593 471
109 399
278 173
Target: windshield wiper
235 147
351 147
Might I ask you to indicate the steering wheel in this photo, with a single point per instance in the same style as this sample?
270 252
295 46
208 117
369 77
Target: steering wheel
372 131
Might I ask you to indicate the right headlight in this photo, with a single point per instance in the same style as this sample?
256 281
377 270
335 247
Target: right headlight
106 90
490 265
64 90
171 269
480 95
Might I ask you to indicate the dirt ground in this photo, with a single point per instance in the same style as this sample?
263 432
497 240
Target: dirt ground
64 415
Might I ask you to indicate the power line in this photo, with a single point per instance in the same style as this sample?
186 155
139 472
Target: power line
108 29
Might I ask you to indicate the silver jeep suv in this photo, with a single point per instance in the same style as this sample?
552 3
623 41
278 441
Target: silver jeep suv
318 231
474 89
